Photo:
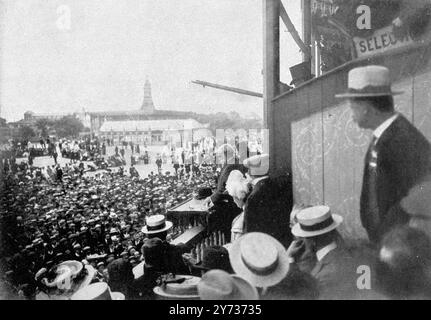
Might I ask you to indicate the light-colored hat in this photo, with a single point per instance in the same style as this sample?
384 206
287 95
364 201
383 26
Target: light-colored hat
315 221
257 165
259 258
369 81
156 224
97 291
220 285
185 289
68 278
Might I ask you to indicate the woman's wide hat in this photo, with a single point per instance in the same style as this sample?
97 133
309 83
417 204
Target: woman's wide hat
368 81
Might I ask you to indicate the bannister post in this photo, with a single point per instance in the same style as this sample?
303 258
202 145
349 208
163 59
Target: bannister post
271 68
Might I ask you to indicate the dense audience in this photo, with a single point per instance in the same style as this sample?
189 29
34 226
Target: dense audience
55 214
110 222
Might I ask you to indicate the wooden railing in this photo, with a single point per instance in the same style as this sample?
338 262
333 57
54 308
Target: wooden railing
191 227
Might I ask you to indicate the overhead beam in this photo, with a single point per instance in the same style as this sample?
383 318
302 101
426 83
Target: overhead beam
291 28
226 88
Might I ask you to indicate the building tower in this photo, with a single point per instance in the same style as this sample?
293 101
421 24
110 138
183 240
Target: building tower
147 105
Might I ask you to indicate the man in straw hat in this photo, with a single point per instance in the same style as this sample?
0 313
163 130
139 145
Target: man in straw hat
397 157
336 267
157 227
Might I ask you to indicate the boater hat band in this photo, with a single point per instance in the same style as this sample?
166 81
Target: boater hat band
153 228
372 90
318 226
261 272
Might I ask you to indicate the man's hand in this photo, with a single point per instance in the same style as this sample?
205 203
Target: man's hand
207 202
295 249
188 259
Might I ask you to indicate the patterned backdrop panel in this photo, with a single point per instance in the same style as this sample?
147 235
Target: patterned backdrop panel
307 162
345 146
422 102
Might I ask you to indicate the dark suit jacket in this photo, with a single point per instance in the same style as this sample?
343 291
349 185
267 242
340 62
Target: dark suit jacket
403 158
339 273
336 275
268 208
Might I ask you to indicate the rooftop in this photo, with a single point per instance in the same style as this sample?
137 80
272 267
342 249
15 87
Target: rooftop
151 125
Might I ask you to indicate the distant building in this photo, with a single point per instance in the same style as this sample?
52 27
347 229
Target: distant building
147 112
174 132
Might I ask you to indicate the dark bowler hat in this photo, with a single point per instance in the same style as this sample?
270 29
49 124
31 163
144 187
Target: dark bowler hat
215 257
203 193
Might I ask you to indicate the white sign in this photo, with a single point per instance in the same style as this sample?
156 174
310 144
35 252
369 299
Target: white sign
381 40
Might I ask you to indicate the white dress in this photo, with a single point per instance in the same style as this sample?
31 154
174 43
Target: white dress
237 227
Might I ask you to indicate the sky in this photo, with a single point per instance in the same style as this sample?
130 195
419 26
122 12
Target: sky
92 55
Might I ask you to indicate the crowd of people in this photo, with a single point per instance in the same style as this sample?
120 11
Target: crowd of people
83 149
101 227
66 215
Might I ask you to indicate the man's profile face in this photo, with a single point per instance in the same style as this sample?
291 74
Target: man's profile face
360 110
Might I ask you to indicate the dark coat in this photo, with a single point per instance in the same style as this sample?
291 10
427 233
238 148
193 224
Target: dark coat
403 158
338 274
268 208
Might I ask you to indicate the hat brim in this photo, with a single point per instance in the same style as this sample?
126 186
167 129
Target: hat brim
160 292
243 291
246 290
364 95
168 226
200 266
260 281
298 232
117 296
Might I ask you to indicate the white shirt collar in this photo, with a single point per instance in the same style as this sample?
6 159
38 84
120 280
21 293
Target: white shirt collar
383 126
255 181
321 253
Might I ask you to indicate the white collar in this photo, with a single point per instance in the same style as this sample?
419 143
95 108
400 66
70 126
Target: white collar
255 181
383 126
321 253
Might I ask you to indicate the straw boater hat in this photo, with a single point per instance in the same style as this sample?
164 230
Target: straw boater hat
181 287
369 81
97 291
156 224
220 285
257 165
214 257
315 221
259 258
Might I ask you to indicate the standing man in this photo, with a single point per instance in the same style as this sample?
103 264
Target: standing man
55 155
159 163
268 205
398 156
